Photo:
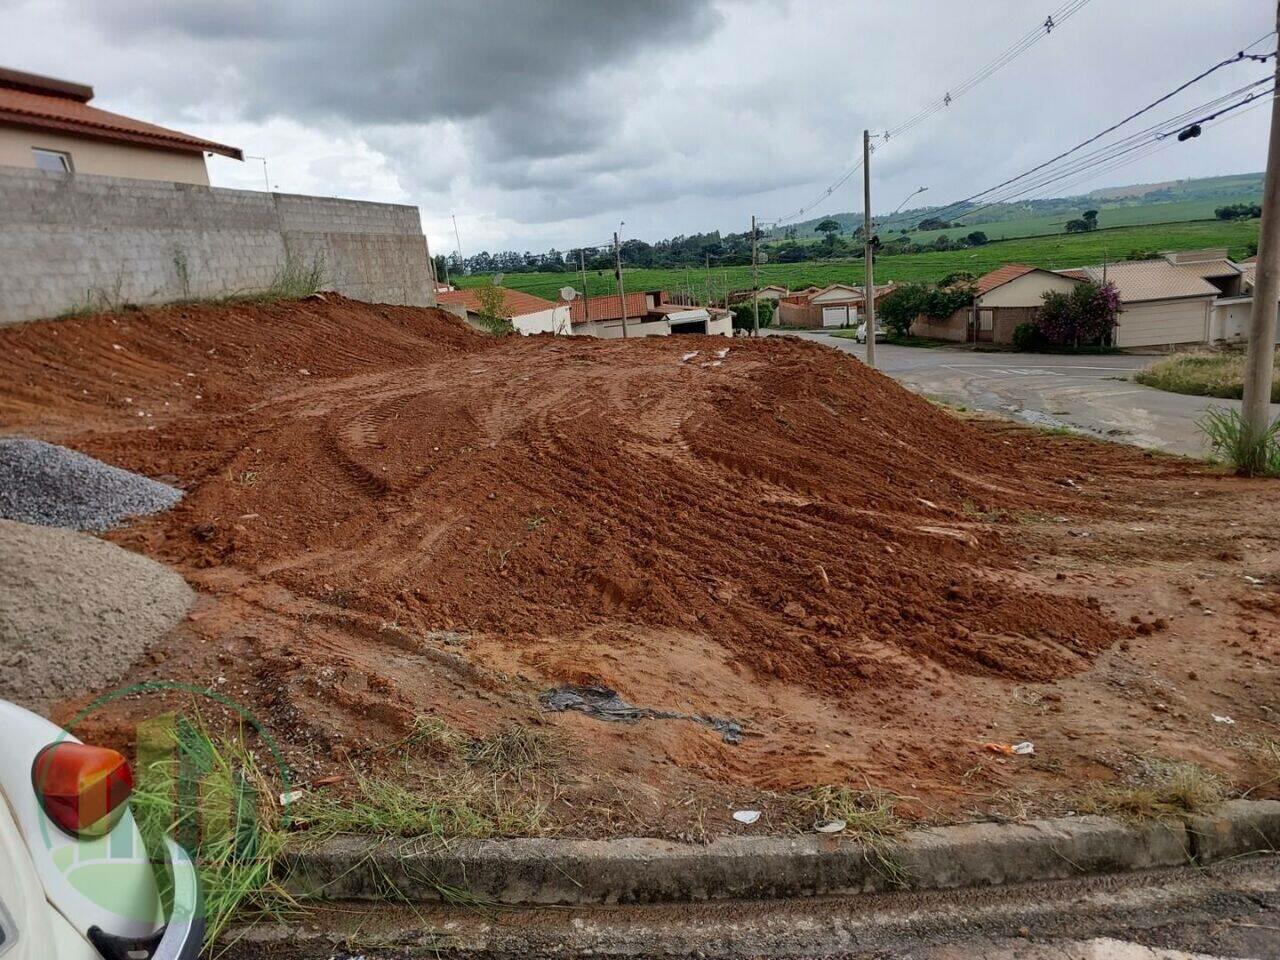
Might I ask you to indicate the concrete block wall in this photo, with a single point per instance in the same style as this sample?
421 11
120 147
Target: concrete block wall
72 240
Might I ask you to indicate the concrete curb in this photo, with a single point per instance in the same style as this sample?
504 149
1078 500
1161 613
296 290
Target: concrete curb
549 872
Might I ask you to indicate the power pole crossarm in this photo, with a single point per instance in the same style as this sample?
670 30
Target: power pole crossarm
869 284
1259 360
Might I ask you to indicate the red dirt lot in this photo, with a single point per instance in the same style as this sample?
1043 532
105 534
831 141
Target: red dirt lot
389 516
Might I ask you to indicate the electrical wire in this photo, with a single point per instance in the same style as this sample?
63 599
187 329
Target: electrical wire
1055 19
1126 145
1019 47
1112 157
945 212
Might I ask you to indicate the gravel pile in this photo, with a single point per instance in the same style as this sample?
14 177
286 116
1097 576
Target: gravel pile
55 487
76 611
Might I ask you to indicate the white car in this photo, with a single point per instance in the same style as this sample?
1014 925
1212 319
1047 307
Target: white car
860 335
75 879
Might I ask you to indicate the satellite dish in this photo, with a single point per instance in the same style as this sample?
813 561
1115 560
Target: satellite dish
762 257
497 279
567 293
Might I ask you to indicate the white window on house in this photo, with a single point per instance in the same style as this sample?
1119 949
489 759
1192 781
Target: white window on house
56 161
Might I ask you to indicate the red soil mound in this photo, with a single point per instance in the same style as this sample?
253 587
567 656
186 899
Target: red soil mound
798 509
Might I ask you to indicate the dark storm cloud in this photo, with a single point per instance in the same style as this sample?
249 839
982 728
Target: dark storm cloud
549 121
409 61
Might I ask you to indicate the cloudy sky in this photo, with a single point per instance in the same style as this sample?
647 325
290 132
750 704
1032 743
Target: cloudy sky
547 122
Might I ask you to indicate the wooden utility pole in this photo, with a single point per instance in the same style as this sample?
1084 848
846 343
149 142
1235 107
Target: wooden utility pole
869 283
586 298
708 262
755 284
1266 288
622 290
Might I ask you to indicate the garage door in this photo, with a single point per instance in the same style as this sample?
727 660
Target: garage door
1158 322
835 316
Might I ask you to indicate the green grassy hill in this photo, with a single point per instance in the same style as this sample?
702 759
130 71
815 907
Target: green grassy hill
1136 204
1053 252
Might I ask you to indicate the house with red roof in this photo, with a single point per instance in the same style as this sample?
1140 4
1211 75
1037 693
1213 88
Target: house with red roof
648 314
1003 299
835 305
528 314
49 124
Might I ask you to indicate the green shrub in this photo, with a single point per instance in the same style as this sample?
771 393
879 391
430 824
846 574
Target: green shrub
1027 337
1253 454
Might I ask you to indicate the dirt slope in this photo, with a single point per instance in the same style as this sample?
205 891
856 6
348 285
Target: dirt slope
784 537
789 503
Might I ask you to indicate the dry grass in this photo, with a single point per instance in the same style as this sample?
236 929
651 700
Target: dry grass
1158 789
516 750
453 806
866 813
1203 374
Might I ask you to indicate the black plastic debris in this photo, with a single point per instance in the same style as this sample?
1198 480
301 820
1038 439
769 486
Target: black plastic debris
605 704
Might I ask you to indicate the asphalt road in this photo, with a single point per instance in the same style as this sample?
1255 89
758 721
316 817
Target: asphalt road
1092 394
1227 911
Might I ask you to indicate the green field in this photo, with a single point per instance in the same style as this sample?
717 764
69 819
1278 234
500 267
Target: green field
1055 252
1172 212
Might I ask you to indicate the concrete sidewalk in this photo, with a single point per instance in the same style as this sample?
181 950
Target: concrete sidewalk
1092 394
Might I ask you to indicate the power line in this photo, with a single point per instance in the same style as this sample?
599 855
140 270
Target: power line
1237 58
1019 47
1114 156
1055 19
1105 154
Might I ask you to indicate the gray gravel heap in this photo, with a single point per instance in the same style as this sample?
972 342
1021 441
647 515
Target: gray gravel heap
52 486
76 611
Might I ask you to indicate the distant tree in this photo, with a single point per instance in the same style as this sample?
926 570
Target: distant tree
742 314
908 301
828 227
977 238
1238 211
933 223
1077 226
493 311
1091 218
791 252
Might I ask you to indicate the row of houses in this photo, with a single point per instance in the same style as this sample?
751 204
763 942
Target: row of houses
648 314
1180 298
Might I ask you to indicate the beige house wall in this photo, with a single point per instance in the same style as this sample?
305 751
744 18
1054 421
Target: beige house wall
1150 323
612 329
954 328
102 157
1027 290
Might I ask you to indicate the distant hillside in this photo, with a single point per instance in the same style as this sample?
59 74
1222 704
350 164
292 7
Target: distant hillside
1131 205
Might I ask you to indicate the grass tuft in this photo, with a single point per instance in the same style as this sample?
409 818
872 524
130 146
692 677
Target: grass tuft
233 829
517 749
441 809
1160 789
1234 442
437 738
868 814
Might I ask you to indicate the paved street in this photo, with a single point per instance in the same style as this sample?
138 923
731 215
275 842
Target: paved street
1089 393
1226 911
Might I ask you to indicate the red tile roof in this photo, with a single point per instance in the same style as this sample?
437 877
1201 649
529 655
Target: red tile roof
1000 276
517 302
1075 273
28 100
608 308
